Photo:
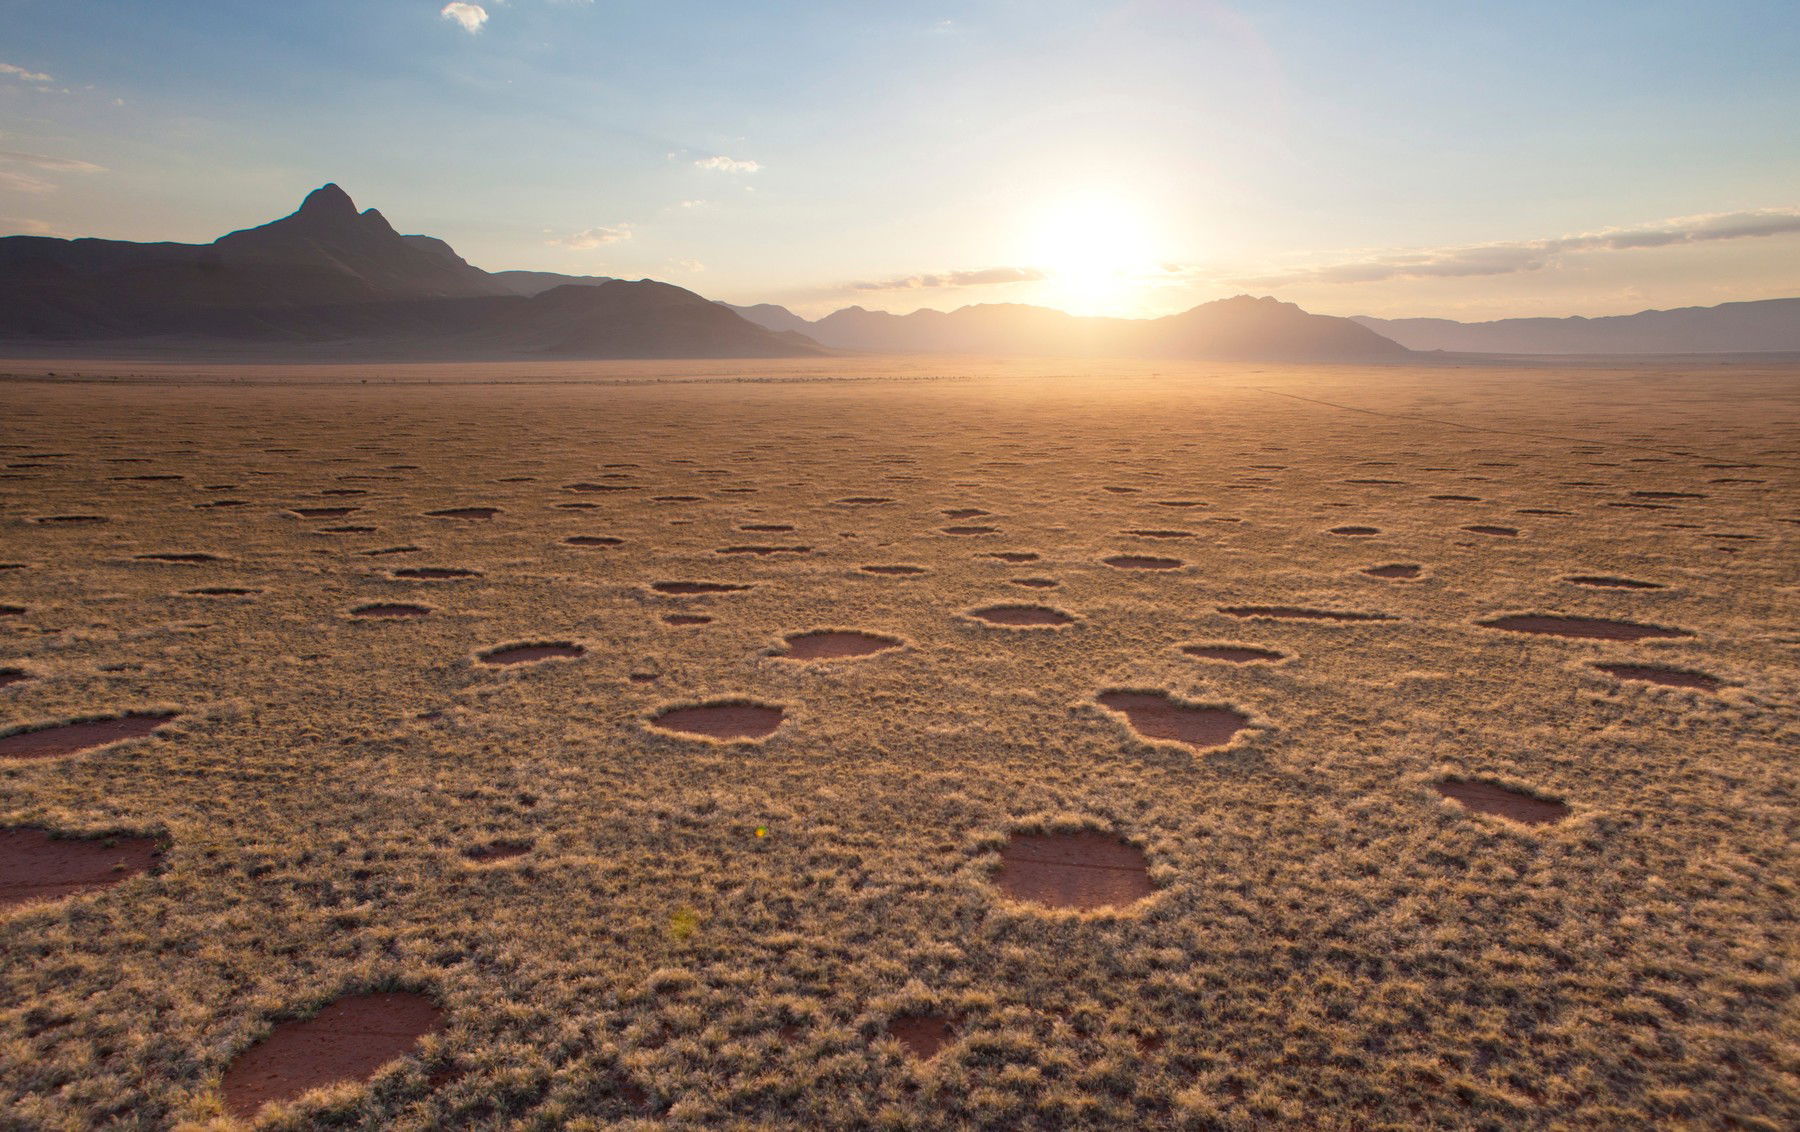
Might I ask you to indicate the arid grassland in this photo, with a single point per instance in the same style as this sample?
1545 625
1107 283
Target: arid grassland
625 924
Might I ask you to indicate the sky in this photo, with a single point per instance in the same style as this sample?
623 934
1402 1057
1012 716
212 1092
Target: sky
1439 158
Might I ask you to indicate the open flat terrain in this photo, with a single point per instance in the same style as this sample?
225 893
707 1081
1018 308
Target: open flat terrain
905 745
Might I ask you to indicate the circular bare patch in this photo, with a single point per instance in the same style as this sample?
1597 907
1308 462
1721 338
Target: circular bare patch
1141 562
1022 616
389 609
349 1040
1146 532
1014 556
1296 613
1083 870
188 557
1487 798
894 571
222 591
686 619
1362 532
1672 677
684 589
323 512
1159 716
1498 532
1233 654
464 513
767 528
55 740
593 540
729 721
1601 581
835 645
37 865
1037 583
529 653
435 573
864 500
1394 570
764 551
501 850
1587 628
923 1035
970 530
13 676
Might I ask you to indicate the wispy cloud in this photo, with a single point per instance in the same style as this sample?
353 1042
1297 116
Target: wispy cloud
54 164
24 183
8 70
983 277
589 238
1535 255
722 164
470 16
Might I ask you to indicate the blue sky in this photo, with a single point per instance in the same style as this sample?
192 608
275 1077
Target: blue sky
1470 160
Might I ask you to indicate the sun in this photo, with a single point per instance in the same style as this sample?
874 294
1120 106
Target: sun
1094 247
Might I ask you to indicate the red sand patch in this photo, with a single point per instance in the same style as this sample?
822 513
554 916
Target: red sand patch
1672 677
1295 613
70 738
1394 570
1157 715
221 591
1233 654
435 573
1487 798
1036 583
599 487
12 611
1360 532
764 551
1022 616
1179 503
1014 556
688 588
767 528
67 519
497 851
464 513
864 500
728 721
387 550
324 512
964 513
923 1035
1497 532
686 619
1610 583
1587 628
389 609
1142 562
1155 533
970 530
1083 870
349 1040
187 557
35 865
527 654
1459 498
13 676
893 571
593 540
837 645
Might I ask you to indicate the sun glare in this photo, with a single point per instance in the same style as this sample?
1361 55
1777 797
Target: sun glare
1094 248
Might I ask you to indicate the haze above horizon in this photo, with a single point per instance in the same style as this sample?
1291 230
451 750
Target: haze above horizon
1110 158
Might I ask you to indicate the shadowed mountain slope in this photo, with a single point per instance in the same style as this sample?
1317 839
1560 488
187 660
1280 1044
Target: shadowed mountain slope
1768 326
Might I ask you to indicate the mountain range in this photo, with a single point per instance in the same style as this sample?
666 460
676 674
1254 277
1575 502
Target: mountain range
1766 326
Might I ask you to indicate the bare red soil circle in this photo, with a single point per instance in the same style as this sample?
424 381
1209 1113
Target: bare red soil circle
1084 870
349 1040
1036 583
764 551
35 864
923 1035
1394 570
1360 532
893 571
221 591
1159 716
393 609
464 513
500 850
688 589
531 653
70 519
1600 581
593 540
726 720
1298 613
1234 654
1156 532
1585 628
435 573
863 500
1497 532
1487 798
12 611
1013 556
184 557
324 512
58 739
1142 562
837 645
686 619
970 530
10 676
1022 616
1670 677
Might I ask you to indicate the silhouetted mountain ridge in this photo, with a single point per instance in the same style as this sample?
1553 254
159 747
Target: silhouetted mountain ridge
1765 326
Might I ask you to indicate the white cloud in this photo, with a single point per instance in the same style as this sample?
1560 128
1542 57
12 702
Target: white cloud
470 16
24 183
983 277
10 71
55 164
688 265
25 226
589 238
1509 258
723 164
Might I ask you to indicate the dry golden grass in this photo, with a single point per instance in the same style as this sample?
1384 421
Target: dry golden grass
1333 944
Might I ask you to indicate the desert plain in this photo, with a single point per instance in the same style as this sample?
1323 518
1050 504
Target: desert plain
1099 745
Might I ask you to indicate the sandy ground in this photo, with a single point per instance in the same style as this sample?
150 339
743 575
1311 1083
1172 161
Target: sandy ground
1332 942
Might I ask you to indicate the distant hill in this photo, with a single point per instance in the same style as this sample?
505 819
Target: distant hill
1241 328
328 276
1768 326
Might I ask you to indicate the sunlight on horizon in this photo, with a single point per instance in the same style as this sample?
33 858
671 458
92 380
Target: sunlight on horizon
1095 247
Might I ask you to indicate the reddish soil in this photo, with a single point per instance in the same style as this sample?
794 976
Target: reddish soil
1036 583
526 654
1395 570
1295 613
1604 582
767 528
221 591
70 519
970 530
1459 498
1142 532
389 609
686 619
349 1040
69 738
324 512
1142 562
1014 556
34 865
497 851
894 571
730 721
464 513
1234 654
435 573
836 646
1486 798
964 513
1028 616
1588 628
923 1035
13 676
1498 532
687 588
1672 677
1358 531
599 487
1082 870
764 551
593 540
178 557
1156 715
865 500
